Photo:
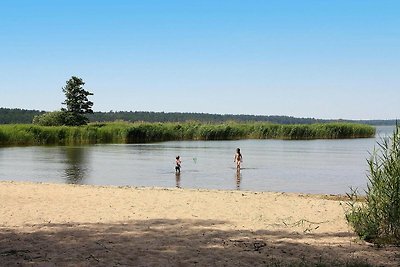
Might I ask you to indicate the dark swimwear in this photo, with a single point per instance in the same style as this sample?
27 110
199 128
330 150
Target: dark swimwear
178 168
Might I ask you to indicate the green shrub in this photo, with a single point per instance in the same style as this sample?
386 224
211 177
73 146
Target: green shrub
55 118
378 219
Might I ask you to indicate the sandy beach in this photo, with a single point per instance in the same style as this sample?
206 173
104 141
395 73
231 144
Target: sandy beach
69 225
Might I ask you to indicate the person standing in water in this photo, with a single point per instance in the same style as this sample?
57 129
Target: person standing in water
238 158
178 163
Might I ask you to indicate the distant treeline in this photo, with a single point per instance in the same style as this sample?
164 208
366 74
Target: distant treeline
95 133
16 116
133 116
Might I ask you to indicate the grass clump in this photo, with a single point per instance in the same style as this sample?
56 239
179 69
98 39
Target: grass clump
377 220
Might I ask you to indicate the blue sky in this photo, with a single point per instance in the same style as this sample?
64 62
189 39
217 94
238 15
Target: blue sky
321 59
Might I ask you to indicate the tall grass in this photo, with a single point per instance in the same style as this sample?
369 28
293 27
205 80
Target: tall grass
122 132
378 219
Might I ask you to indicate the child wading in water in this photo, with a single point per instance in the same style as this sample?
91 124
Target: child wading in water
178 164
238 158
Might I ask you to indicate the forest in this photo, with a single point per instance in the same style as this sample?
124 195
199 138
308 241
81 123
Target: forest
23 116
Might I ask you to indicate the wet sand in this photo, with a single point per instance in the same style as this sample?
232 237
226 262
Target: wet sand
69 225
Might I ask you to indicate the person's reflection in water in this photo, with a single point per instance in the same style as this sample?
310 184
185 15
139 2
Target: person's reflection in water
238 177
178 179
75 170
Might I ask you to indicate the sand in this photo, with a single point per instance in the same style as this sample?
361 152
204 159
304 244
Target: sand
70 225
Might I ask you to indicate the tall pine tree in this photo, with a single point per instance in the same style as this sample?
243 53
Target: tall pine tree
77 103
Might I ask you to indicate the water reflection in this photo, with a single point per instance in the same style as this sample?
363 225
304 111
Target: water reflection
75 170
238 177
178 179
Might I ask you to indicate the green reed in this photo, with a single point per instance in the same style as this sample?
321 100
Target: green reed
378 218
124 132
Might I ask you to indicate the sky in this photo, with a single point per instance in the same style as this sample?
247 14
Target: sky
327 59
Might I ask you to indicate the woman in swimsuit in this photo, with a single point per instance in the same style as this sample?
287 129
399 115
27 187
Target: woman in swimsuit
178 164
238 158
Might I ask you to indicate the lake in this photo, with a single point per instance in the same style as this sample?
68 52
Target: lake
313 166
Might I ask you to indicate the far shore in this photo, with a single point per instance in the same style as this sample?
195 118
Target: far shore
84 225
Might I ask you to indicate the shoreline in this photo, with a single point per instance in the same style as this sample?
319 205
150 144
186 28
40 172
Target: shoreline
334 197
146 226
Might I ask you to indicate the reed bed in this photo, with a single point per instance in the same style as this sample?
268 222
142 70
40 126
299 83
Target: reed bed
141 132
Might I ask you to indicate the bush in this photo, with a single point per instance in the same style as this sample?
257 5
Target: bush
378 219
55 118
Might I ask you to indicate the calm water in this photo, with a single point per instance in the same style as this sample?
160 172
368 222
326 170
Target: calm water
316 166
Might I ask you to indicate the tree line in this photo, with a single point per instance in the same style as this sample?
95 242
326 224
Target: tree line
21 116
